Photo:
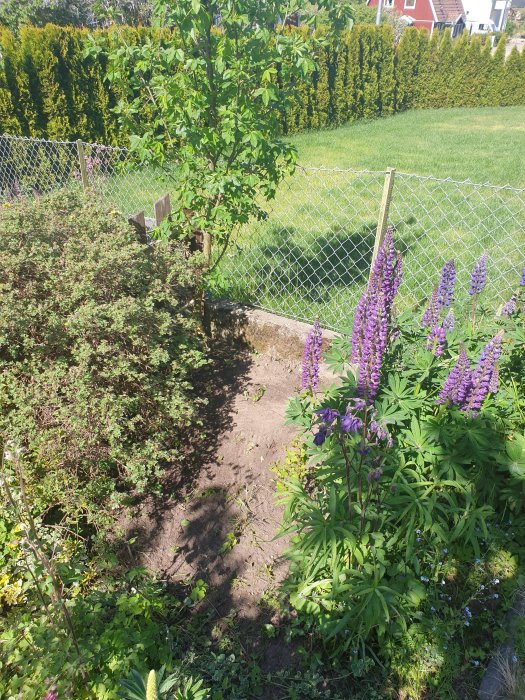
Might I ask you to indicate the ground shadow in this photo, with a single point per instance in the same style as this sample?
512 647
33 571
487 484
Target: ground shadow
216 519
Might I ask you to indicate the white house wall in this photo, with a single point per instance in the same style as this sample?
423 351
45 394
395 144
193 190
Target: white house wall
486 13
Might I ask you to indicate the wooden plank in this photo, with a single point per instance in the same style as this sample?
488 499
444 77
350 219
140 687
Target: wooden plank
138 221
162 209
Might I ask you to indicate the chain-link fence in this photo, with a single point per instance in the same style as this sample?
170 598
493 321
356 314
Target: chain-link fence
310 257
36 166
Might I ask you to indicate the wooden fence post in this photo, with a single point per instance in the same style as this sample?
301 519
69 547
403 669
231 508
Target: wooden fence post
382 224
206 247
82 163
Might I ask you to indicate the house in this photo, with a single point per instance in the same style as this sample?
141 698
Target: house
428 14
484 16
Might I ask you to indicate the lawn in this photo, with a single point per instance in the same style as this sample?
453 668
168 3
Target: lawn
311 256
482 145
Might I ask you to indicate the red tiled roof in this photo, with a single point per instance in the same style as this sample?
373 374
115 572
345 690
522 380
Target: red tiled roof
448 10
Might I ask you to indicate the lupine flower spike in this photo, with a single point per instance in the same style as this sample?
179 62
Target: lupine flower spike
458 383
478 279
510 307
370 334
431 316
436 340
312 358
446 285
485 376
522 283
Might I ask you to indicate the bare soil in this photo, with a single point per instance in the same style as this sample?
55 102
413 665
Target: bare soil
217 519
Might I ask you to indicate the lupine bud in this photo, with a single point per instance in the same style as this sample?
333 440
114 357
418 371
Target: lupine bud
312 358
522 283
478 277
431 316
446 285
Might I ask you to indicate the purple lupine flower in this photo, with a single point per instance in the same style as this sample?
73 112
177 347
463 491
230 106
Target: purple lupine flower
328 415
446 285
478 277
510 307
351 424
458 383
522 283
52 693
398 274
449 321
484 377
373 315
431 316
385 277
312 358
436 340
374 346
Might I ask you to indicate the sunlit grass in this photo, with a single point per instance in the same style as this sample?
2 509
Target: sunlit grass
310 257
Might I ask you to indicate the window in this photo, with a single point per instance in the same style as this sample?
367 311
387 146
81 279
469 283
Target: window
481 27
410 4
389 3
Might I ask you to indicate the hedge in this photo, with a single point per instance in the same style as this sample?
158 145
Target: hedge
51 87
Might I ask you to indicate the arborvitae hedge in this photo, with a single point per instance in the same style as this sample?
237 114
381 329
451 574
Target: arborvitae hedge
51 87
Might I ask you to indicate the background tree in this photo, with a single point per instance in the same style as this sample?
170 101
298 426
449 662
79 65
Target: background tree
216 95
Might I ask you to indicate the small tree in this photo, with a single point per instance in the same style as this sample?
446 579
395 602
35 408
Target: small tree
216 93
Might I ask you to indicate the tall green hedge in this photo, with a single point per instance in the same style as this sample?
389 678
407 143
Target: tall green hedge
51 87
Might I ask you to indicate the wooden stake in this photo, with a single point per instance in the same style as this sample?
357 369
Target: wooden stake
82 162
382 225
206 247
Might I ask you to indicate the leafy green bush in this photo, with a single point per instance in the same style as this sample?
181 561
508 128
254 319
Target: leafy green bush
98 345
415 456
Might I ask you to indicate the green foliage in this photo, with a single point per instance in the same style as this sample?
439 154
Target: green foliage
214 96
55 85
379 524
97 351
159 688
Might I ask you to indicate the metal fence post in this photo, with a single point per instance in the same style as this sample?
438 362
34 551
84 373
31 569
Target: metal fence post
382 224
82 162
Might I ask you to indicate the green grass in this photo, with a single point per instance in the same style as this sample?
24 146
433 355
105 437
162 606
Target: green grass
483 145
311 256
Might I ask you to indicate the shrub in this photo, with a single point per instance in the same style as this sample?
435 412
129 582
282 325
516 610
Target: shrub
415 454
98 347
50 72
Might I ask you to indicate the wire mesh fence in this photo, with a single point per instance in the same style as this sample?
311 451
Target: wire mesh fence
310 256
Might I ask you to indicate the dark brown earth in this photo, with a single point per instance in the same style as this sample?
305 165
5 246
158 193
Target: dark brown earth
218 518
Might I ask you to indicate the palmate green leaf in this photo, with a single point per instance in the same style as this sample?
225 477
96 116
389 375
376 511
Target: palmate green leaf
515 450
297 412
